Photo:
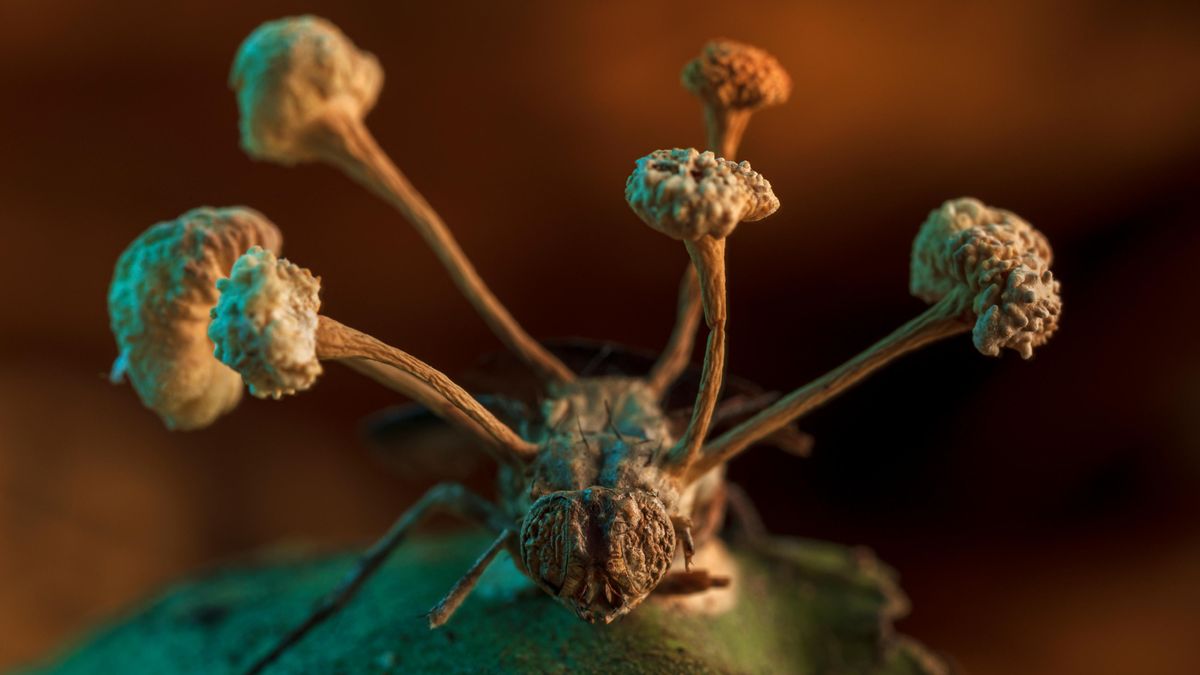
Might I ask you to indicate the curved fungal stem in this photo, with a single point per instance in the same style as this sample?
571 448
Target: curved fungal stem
725 128
348 144
708 256
678 353
336 341
409 385
940 320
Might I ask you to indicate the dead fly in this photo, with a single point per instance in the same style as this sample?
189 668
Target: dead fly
598 495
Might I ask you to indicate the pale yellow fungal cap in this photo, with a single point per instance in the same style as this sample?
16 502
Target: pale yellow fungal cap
736 76
264 325
162 290
289 75
1002 261
686 194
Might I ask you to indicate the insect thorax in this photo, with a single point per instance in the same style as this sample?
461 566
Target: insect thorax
604 431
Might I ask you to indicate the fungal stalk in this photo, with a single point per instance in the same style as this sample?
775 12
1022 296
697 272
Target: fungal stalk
158 302
732 81
266 326
984 270
699 199
304 89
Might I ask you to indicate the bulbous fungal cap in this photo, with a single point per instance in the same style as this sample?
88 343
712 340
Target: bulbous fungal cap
162 290
599 551
1002 261
736 76
686 194
264 325
291 73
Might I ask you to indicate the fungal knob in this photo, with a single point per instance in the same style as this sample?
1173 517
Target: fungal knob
736 76
264 325
1001 261
291 75
686 194
162 289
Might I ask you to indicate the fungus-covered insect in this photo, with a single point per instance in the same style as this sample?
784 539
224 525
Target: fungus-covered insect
598 496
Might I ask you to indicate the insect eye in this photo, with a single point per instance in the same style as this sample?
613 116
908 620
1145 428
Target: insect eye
553 541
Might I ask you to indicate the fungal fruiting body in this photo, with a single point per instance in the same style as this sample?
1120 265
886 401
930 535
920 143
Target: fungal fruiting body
162 290
293 78
303 90
602 502
686 194
1001 261
264 325
732 80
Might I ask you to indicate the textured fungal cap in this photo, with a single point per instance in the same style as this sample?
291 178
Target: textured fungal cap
736 76
599 551
686 194
1002 261
162 289
291 73
265 324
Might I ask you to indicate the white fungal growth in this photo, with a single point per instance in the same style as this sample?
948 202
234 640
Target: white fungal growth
162 290
736 76
290 75
264 325
686 194
1002 261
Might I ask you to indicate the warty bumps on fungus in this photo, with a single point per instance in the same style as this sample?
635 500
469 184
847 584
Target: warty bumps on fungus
162 290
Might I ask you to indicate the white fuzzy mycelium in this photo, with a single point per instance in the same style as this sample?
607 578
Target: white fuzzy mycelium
290 75
686 194
264 325
1002 261
162 289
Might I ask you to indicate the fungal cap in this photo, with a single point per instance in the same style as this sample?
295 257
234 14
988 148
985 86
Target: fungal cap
736 76
162 289
1002 261
686 194
264 325
290 75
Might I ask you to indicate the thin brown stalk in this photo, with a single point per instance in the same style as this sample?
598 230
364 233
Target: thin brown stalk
340 342
350 146
725 129
941 320
409 385
708 255
678 353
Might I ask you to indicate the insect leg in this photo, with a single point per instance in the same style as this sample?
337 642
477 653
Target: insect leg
691 581
450 497
442 612
683 534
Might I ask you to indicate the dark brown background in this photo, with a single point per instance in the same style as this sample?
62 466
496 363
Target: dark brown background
1043 515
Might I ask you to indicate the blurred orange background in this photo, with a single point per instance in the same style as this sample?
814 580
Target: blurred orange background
1043 515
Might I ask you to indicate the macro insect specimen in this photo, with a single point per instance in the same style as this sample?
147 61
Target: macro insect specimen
598 497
